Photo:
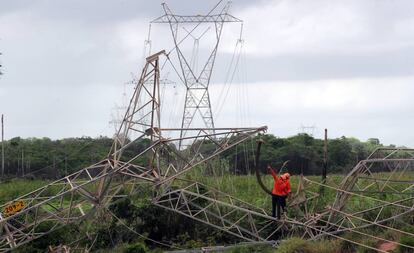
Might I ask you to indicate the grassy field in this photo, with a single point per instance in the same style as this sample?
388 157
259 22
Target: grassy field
12 189
243 187
246 188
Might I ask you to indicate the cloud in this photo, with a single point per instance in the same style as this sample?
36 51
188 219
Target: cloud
344 65
354 107
278 27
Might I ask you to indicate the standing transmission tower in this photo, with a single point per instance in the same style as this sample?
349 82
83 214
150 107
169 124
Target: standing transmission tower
1 73
197 98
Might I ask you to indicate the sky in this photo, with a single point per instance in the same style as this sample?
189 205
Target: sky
347 66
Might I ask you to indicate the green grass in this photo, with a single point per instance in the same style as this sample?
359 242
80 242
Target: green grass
291 245
246 188
243 187
15 188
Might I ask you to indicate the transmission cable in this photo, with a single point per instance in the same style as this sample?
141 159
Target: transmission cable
188 34
229 81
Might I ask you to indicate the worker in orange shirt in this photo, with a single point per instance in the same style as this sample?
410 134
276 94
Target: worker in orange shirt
286 179
281 189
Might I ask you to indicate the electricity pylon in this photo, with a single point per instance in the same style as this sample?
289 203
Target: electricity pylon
1 73
159 163
197 98
79 196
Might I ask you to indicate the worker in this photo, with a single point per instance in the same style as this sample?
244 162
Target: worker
281 189
286 179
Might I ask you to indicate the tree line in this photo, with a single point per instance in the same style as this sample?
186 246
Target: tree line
46 158
306 154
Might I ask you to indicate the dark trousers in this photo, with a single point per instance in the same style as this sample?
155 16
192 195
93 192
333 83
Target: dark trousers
278 205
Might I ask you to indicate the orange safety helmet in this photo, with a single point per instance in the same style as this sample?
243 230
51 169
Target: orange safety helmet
285 176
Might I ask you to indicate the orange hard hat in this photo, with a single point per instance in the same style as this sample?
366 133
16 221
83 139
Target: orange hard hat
286 176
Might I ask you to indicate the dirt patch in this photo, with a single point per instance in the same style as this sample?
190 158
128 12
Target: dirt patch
387 246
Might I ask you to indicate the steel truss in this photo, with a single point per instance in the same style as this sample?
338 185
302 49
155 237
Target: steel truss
388 198
374 196
160 163
223 211
197 98
80 195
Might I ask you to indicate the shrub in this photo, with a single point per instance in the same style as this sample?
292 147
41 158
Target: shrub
241 249
407 240
251 249
369 242
346 246
138 247
298 245
326 246
294 245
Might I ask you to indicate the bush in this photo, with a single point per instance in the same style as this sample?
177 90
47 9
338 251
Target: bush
241 249
348 247
326 246
298 245
294 245
138 247
407 240
251 249
369 242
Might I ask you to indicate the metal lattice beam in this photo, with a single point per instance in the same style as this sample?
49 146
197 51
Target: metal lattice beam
80 195
197 98
223 211
161 163
171 18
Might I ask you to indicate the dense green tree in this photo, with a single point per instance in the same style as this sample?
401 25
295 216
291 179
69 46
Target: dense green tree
46 158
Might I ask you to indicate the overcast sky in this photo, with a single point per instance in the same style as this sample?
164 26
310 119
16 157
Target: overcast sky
343 65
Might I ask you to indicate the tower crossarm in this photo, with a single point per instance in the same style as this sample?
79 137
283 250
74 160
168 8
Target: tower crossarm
203 146
196 82
172 18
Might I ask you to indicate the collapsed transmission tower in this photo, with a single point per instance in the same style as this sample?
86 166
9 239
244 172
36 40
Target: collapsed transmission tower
159 163
159 166
197 98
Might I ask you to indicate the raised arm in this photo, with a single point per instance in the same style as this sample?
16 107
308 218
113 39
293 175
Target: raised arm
274 175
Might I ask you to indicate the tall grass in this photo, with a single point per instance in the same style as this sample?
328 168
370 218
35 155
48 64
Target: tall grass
246 188
15 188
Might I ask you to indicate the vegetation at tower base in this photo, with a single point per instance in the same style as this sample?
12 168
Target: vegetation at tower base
174 229
50 159
229 173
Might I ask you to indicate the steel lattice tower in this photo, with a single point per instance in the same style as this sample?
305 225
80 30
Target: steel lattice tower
197 98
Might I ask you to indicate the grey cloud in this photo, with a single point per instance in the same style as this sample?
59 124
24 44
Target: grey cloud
65 61
391 63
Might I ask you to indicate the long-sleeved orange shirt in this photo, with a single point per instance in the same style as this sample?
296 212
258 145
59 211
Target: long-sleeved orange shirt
287 189
280 187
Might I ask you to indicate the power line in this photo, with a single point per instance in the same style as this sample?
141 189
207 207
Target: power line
197 98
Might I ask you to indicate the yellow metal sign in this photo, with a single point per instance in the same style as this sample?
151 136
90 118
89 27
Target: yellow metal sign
13 208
